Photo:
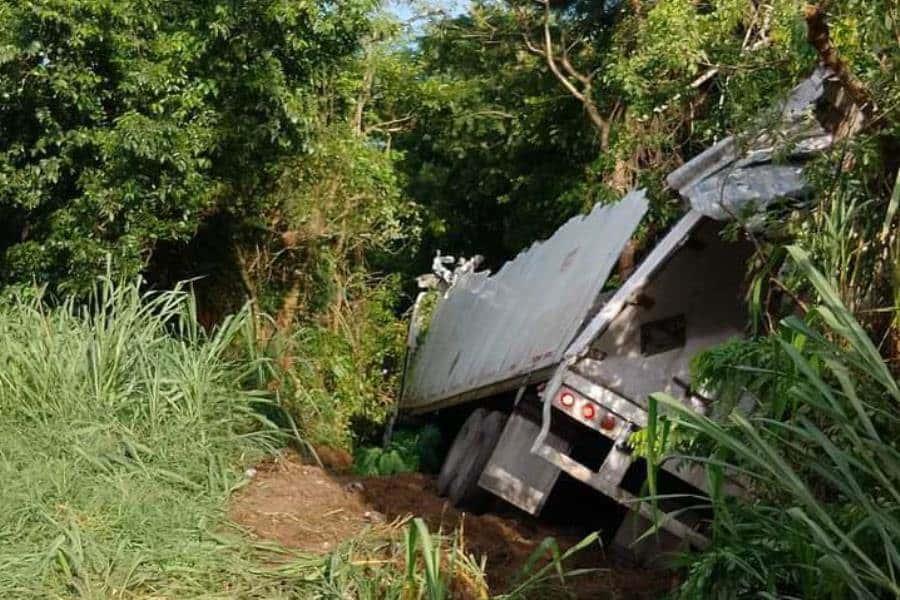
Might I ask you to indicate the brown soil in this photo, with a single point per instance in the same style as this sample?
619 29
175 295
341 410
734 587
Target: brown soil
304 507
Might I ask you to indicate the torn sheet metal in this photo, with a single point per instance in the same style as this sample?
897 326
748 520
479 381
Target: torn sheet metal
492 328
742 175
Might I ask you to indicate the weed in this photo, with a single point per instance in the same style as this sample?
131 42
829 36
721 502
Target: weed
124 427
405 560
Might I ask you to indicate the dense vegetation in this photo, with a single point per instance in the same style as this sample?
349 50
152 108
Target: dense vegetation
298 162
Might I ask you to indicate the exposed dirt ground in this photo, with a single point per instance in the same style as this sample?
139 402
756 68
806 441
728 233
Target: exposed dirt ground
305 507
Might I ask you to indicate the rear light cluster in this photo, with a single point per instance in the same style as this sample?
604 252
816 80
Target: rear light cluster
584 410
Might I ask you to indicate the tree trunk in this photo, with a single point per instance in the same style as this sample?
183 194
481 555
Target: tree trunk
819 37
289 304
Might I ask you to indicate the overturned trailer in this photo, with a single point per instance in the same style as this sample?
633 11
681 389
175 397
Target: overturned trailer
553 372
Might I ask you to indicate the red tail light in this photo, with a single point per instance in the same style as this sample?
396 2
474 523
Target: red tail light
608 422
589 411
585 410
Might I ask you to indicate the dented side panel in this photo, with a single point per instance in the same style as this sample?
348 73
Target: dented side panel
492 328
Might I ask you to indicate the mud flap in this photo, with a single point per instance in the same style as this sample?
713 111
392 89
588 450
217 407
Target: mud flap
515 474
657 549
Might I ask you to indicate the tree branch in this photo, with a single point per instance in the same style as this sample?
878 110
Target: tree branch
563 70
390 126
819 37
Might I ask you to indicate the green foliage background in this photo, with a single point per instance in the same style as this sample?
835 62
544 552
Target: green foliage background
127 122
306 158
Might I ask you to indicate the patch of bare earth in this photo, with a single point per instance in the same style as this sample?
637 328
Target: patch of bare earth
303 506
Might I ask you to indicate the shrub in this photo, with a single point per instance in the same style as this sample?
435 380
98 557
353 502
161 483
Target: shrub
407 452
131 122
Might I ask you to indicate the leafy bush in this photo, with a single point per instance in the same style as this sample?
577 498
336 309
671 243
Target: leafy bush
130 122
336 213
407 452
342 375
819 456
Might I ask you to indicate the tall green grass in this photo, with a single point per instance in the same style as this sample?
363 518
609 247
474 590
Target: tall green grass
123 428
820 456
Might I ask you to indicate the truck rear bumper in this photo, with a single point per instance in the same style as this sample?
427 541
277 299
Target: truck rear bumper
607 481
609 477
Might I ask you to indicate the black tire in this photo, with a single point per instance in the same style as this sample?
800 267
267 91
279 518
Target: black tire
459 449
464 491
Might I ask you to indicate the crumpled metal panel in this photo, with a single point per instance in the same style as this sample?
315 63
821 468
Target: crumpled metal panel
491 328
740 176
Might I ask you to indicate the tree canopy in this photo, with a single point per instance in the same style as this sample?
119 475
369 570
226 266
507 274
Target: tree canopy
127 122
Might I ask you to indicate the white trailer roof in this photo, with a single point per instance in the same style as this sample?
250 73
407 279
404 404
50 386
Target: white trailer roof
492 328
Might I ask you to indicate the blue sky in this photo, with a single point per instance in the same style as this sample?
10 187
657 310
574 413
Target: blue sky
405 9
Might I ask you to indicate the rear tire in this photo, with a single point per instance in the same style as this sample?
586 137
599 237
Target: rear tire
464 491
459 449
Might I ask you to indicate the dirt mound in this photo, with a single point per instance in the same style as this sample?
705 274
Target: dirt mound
299 506
302 506
506 540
